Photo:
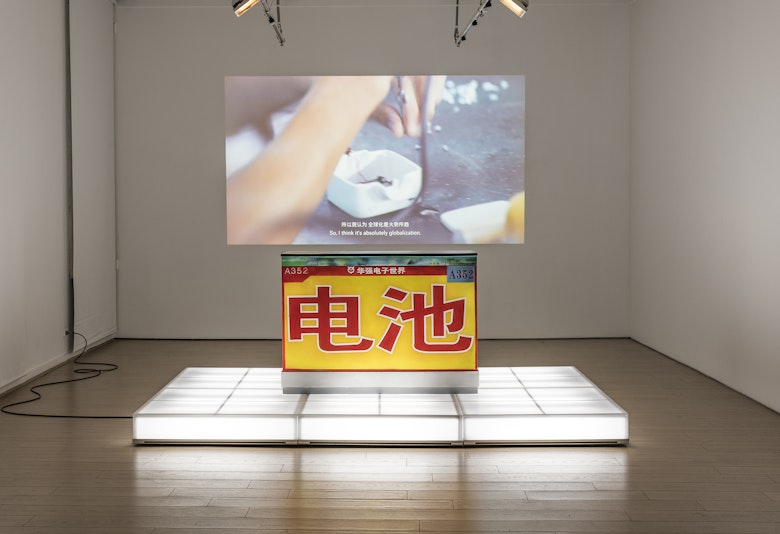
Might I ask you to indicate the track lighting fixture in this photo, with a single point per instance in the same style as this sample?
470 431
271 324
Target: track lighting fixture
518 7
242 6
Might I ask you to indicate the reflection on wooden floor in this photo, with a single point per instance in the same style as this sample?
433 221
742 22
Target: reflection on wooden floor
702 458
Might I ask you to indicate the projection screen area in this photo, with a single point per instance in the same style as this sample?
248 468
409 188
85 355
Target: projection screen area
385 160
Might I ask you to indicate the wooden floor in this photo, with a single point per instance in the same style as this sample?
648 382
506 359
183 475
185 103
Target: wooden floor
702 458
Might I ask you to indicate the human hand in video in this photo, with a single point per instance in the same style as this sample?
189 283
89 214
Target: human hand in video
270 199
405 117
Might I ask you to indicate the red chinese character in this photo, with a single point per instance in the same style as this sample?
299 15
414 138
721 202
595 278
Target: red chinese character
326 316
446 318
387 343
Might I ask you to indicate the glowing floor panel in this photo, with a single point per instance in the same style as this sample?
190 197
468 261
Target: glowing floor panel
514 405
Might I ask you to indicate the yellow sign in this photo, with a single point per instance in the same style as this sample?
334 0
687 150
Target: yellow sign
379 313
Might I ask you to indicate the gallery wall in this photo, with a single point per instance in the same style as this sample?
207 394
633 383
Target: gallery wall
705 184
177 277
33 314
33 158
94 202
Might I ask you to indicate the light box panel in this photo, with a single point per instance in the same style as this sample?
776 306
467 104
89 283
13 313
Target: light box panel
514 405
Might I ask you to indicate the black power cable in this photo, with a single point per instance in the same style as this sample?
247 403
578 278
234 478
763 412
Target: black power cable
91 371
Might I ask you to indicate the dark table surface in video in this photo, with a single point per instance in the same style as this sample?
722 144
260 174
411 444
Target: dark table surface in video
474 154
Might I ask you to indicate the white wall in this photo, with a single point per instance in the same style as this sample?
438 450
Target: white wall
94 204
33 297
33 235
178 278
705 188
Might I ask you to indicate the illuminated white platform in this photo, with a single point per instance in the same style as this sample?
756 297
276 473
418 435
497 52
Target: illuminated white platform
514 405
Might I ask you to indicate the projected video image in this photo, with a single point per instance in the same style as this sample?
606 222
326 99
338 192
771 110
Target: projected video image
375 160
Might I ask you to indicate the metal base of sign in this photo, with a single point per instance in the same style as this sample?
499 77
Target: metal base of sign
380 382
514 406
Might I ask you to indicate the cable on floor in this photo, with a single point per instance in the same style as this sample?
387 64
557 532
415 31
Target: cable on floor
91 371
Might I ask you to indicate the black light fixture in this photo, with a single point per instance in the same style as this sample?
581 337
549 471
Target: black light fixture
518 7
242 6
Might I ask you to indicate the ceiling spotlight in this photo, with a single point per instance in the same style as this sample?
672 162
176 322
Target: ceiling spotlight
242 6
518 7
